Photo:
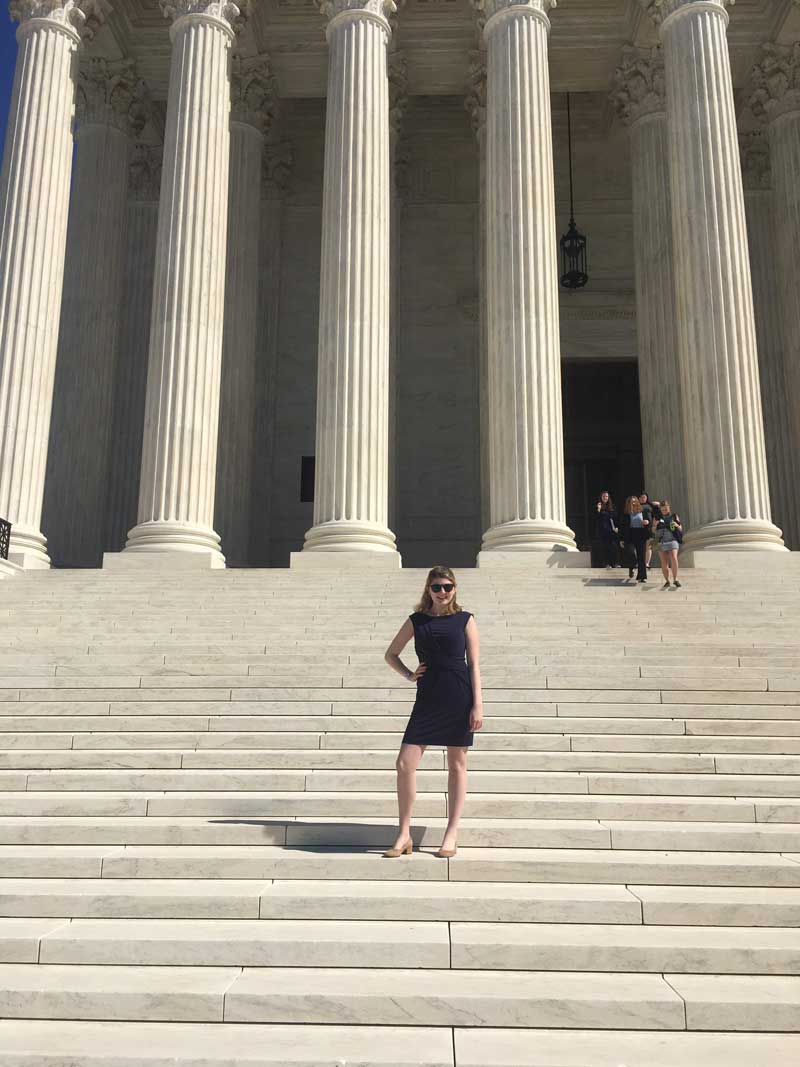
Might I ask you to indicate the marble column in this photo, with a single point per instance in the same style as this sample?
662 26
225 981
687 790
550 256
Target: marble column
351 485
728 494
278 160
640 100
34 199
776 99
475 104
179 458
527 504
111 109
761 234
398 102
130 379
253 110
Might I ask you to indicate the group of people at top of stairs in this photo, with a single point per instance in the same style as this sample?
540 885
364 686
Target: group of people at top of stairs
449 704
642 523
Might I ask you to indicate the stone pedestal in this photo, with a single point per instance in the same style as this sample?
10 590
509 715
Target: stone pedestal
179 459
253 92
351 487
640 101
34 199
762 240
527 504
111 109
776 98
728 496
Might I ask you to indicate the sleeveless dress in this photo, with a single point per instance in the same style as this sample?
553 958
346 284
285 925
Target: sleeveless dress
444 692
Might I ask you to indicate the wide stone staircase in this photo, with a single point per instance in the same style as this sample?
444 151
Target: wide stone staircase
198 779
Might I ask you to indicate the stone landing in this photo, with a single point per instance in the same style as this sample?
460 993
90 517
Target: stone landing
196 782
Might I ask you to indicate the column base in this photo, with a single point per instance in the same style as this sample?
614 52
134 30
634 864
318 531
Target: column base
8 569
735 535
343 535
28 549
175 540
529 535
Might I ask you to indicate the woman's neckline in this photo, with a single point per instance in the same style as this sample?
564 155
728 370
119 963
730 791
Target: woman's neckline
444 615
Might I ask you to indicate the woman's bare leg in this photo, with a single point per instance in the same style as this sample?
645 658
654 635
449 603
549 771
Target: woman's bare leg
664 559
673 556
456 793
407 763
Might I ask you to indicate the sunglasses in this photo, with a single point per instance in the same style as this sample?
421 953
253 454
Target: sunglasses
438 587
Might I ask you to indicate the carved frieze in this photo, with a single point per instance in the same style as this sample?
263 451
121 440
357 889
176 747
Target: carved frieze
254 98
756 167
639 87
144 181
776 82
276 170
110 94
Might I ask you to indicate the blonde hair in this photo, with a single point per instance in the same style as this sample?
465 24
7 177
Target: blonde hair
633 505
426 600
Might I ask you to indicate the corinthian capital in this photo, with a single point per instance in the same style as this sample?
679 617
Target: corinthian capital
378 9
660 10
754 152
776 82
231 16
78 17
254 98
488 8
639 84
110 94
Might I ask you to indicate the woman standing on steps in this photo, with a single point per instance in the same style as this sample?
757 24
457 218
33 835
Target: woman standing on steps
449 704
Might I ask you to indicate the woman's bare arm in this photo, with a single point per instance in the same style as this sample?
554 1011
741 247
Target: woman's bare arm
473 660
392 654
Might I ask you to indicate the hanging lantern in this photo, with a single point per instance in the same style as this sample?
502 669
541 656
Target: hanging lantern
573 243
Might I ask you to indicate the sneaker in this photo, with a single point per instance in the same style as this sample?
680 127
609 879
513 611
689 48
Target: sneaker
665 585
677 584
630 572
642 580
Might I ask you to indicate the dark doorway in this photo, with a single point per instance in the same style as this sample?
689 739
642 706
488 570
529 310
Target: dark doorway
602 438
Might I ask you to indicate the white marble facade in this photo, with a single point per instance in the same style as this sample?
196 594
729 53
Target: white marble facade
328 228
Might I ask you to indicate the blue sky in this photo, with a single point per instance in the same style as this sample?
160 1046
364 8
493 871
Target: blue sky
8 55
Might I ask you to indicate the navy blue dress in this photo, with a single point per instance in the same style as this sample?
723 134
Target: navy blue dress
444 692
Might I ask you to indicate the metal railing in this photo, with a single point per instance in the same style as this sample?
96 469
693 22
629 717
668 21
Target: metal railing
5 538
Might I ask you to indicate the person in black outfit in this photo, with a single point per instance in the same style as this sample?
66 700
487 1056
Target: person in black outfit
635 533
607 532
449 703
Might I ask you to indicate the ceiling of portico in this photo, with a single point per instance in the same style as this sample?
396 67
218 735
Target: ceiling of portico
436 38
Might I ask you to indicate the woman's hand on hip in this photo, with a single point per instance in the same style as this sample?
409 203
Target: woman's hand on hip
418 673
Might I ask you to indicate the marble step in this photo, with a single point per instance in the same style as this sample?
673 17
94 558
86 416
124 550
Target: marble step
46 1043
56 1043
376 996
471 865
345 831
60 804
301 900
557 1048
400 944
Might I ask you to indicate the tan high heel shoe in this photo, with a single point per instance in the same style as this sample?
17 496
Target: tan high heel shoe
447 853
393 853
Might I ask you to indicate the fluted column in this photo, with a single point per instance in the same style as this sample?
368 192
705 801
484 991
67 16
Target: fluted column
776 98
640 101
111 109
253 109
728 495
475 104
179 458
527 502
130 380
34 199
351 485
761 234
398 102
